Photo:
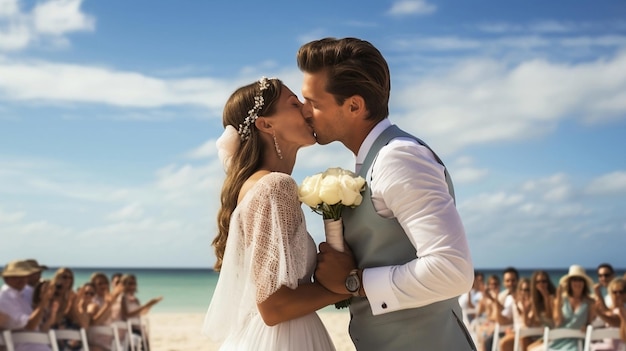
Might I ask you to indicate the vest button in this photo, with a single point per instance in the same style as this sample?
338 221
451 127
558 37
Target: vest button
384 305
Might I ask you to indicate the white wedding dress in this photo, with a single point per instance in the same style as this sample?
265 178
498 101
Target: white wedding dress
267 247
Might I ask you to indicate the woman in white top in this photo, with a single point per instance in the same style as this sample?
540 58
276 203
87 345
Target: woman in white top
265 298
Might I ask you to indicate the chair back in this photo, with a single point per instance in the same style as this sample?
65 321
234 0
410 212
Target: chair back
498 329
5 340
71 335
141 325
597 334
125 334
552 334
106 330
33 337
522 332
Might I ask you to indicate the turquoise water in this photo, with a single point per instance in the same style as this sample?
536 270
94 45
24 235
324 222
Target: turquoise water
190 290
183 290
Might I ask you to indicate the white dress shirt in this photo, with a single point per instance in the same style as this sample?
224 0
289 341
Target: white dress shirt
13 304
408 183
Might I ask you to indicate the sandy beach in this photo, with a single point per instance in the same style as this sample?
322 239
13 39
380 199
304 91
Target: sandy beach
181 331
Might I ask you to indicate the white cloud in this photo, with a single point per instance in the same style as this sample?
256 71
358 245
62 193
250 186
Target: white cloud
131 211
491 102
90 84
14 36
48 21
467 175
411 7
208 149
10 217
608 184
58 17
8 8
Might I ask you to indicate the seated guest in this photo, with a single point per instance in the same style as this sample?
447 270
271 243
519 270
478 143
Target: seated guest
518 312
69 316
131 307
573 307
486 323
51 310
613 317
469 302
21 315
33 279
103 310
510 277
606 273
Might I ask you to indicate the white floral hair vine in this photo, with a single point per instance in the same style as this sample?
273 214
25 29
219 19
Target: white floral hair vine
230 140
253 114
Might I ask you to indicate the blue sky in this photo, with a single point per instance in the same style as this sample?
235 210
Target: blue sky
109 111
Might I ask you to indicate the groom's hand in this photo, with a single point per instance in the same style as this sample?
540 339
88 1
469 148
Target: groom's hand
333 267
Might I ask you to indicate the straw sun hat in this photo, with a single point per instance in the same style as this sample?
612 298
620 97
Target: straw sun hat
18 269
576 271
35 264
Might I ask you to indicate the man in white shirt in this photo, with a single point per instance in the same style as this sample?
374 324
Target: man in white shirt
21 315
409 260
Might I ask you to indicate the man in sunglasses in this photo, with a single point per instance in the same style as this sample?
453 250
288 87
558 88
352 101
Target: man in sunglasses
606 273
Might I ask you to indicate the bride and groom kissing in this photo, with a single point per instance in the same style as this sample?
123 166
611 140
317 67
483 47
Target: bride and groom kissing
406 259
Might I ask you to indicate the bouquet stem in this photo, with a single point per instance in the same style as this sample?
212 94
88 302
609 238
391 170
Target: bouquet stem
334 233
333 228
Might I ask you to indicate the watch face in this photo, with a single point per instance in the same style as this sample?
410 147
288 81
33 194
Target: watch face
352 283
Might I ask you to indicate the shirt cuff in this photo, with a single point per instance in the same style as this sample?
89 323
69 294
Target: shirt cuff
377 285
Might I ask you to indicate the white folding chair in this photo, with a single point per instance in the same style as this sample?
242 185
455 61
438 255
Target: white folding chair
127 338
552 334
33 337
498 329
597 334
109 332
5 341
70 335
521 332
141 325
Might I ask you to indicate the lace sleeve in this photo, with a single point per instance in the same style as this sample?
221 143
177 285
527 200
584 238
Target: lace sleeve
271 228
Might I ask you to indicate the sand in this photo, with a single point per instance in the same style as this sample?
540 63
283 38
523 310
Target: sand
181 331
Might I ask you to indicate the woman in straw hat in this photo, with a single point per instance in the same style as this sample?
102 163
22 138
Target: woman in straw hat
573 306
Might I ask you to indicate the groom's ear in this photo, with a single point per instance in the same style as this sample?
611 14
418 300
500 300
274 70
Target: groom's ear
356 106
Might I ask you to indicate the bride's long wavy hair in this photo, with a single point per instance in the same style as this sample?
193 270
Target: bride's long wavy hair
247 159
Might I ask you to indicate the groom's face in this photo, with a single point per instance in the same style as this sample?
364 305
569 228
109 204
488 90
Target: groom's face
321 110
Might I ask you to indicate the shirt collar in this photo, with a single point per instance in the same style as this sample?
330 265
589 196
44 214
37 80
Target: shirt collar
371 137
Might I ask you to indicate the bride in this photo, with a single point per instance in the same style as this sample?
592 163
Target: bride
265 298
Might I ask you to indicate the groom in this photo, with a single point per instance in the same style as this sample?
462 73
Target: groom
409 258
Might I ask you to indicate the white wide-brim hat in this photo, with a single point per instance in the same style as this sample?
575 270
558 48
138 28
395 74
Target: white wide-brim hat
576 271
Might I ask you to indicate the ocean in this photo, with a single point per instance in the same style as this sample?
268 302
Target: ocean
189 290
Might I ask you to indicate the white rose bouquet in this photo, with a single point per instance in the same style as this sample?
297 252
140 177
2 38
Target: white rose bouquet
327 194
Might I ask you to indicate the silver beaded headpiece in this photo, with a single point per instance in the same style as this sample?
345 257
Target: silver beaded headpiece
253 114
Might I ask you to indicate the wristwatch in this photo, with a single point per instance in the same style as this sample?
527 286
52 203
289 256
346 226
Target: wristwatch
353 283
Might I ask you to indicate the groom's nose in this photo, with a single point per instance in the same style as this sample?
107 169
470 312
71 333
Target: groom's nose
307 111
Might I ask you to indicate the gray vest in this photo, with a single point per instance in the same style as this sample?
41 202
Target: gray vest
377 241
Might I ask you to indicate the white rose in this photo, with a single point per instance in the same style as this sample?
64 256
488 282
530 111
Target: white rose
308 192
330 189
349 190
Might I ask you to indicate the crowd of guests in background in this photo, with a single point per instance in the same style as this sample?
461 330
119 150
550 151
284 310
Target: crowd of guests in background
524 302
28 302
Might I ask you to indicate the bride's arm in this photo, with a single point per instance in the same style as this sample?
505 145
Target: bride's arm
286 303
